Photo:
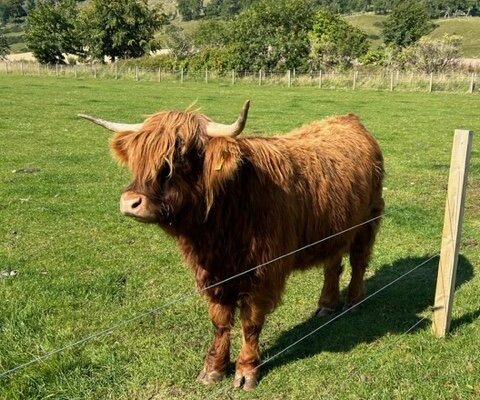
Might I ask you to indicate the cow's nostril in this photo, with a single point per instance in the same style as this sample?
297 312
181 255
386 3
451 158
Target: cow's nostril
136 203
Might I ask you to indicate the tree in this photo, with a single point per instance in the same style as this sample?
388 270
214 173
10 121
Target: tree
273 34
334 42
407 23
212 33
120 29
4 47
51 31
190 9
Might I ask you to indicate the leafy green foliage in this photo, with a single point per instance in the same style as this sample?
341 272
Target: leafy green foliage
334 42
4 47
407 23
212 33
433 55
190 9
120 29
52 31
274 34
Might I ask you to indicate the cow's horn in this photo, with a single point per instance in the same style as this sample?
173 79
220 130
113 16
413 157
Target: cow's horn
215 129
113 126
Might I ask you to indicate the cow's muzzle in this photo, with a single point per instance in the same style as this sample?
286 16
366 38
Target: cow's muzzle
137 205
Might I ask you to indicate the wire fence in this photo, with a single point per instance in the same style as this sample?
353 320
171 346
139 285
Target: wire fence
350 80
183 297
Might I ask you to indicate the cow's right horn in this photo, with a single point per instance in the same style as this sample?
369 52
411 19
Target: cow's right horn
113 126
215 129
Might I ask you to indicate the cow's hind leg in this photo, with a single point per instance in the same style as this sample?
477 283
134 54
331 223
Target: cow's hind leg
360 252
331 286
218 356
252 314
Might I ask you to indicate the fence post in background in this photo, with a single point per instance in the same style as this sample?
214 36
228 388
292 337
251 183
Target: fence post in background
320 79
136 73
116 70
75 70
354 79
392 82
452 228
430 86
181 75
233 77
260 77
294 74
289 78
159 74
61 69
471 89
95 71
56 70
206 75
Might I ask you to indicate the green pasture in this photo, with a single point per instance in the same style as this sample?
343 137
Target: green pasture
81 267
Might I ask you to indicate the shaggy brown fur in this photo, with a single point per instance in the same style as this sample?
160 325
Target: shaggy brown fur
235 203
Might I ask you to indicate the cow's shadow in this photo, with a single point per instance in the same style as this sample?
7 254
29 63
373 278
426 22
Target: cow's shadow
393 310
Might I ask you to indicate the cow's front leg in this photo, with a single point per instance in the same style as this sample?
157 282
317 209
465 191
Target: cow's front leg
247 369
218 356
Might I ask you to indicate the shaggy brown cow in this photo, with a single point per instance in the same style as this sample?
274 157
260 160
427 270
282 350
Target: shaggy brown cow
234 203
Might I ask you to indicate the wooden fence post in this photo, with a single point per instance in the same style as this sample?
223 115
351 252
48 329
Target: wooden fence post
206 75
136 73
116 71
354 79
181 75
471 89
233 77
159 74
56 70
95 71
289 78
260 77
430 86
392 82
452 229
75 69
320 79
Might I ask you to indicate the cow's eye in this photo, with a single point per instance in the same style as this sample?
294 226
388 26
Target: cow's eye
164 174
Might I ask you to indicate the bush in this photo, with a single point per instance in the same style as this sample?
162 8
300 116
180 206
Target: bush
433 55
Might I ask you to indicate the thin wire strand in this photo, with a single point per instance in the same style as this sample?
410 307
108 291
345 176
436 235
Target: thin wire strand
175 301
339 316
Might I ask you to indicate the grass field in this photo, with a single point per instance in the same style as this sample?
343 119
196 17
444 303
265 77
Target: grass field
82 267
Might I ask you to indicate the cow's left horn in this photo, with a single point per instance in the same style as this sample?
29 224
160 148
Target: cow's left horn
113 126
215 129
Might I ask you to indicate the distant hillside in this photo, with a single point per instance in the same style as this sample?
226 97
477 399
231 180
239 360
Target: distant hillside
468 27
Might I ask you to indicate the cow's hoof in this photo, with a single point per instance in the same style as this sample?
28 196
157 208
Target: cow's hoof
249 382
324 312
207 378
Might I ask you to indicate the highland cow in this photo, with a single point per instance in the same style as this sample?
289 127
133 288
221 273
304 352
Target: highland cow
234 203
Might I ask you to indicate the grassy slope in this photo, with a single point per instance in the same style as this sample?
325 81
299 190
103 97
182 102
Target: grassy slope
469 28
82 267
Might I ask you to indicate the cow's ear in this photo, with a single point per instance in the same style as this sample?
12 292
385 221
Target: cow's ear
222 160
119 145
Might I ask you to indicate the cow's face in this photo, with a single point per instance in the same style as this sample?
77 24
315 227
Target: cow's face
177 161
165 158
